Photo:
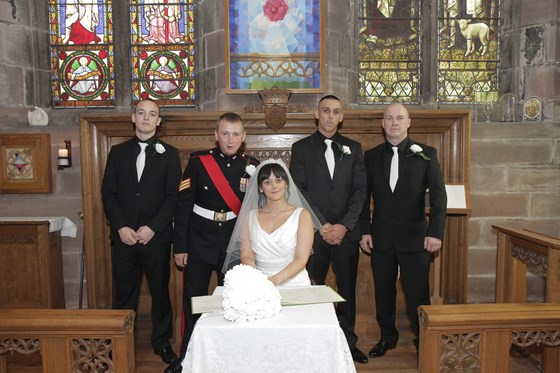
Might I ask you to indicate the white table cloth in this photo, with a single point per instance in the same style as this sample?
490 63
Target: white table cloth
299 339
56 223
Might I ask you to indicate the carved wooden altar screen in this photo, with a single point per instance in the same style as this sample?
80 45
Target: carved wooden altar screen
447 130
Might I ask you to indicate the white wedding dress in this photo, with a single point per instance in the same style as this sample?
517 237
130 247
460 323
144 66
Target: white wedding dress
274 251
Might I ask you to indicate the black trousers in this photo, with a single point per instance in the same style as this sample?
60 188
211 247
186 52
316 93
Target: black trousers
129 262
344 260
414 274
196 280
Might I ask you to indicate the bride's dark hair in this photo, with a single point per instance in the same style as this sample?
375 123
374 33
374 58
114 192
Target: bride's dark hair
272 168
278 171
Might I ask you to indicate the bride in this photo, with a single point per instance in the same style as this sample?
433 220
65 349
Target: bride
275 227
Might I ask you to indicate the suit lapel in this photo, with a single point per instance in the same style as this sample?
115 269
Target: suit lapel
403 164
319 152
132 153
150 158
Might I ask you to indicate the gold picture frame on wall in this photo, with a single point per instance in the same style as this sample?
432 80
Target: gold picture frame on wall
274 43
26 163
532 109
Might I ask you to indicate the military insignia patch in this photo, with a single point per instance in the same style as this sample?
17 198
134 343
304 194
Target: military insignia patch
185 184
243 184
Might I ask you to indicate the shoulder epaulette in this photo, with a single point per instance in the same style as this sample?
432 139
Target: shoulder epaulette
247 158
200 153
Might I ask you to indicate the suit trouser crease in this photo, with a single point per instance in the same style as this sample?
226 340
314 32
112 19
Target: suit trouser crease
129 262
414 274
344 259
196 278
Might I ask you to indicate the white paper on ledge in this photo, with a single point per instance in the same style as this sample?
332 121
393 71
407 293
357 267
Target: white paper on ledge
291 296
456 198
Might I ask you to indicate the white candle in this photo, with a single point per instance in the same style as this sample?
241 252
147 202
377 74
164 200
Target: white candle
63 153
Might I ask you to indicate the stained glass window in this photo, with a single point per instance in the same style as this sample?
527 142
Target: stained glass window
162 51
394 34
468 51
81 34
389 50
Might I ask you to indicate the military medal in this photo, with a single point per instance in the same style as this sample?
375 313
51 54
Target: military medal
243 184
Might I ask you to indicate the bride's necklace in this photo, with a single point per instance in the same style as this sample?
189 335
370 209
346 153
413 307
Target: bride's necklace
276 212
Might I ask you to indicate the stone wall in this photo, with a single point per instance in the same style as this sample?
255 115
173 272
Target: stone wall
515 181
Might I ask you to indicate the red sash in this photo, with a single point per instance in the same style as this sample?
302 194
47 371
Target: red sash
221 183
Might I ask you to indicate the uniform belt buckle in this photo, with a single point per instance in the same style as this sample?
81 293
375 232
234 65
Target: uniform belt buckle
220 216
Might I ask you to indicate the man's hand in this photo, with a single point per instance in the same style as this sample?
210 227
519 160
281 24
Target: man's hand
128 236
181 259
333 233
366 243
144 234
432 244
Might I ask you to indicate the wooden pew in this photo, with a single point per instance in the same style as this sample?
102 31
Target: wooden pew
478 337
70 340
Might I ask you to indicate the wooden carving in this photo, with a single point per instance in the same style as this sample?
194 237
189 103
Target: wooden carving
275 103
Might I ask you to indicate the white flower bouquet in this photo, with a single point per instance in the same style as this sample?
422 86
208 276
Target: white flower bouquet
249 295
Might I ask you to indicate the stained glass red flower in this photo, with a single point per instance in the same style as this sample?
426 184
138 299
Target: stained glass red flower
275 10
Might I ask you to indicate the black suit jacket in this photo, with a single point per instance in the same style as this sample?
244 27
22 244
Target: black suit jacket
338 200
151 201
399 217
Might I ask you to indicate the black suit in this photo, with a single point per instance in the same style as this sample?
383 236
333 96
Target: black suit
399 226
205 240
336 201
131 203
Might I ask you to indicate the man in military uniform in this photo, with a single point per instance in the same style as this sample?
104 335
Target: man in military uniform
210 195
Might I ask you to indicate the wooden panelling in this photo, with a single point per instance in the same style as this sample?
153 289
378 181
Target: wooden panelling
447 130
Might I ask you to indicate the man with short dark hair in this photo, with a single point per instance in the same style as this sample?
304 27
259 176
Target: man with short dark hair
139 193
328 168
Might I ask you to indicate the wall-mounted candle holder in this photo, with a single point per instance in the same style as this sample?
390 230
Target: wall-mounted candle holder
65 155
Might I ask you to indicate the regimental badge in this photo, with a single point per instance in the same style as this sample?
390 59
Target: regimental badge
243 184
185 184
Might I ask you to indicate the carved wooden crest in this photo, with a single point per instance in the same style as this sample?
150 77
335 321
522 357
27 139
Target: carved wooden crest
275 104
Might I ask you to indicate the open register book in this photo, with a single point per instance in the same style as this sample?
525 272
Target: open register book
291 296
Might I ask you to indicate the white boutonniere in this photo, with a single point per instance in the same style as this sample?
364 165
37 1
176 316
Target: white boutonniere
160 149
250 169
344 149
417 149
